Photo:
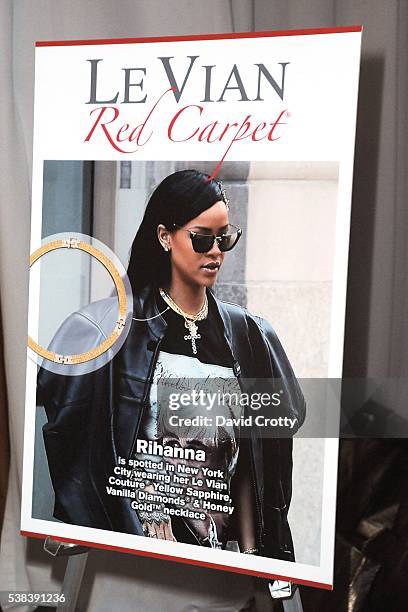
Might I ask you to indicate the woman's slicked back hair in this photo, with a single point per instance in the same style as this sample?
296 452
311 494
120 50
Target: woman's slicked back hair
180 197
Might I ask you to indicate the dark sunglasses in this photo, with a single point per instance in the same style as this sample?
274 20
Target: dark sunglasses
202 243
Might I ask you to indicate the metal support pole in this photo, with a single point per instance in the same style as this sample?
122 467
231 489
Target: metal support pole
74 571
294 604
72 582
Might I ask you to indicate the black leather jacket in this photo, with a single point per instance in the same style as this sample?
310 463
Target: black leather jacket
95 417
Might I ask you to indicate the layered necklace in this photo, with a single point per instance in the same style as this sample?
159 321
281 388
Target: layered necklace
189 319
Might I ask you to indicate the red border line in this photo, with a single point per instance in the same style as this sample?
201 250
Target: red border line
224 36
143 553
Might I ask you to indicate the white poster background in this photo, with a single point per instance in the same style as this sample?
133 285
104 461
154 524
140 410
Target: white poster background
319 115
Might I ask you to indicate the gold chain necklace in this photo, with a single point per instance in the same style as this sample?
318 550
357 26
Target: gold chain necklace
189 319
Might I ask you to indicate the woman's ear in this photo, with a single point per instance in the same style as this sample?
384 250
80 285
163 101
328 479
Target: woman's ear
163 235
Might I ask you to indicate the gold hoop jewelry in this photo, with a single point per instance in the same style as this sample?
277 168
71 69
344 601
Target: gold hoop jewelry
76 243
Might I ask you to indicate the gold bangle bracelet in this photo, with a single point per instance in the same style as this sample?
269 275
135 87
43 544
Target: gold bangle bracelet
76 243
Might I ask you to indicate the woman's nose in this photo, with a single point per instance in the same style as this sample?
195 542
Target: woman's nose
215 249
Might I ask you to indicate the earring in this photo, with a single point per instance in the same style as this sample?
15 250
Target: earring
166 248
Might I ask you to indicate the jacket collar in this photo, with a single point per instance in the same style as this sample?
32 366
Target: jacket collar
223 314
145 308
227 329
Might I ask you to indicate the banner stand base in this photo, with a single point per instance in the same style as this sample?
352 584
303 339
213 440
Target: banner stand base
75 569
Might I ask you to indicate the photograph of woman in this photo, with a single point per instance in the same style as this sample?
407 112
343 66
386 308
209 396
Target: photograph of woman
179 329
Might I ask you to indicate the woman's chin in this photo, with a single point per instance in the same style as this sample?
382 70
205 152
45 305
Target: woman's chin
209 282
208 277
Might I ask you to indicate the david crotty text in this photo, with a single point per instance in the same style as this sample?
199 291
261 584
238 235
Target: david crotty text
208 421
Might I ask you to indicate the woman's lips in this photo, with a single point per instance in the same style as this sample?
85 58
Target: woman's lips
211 267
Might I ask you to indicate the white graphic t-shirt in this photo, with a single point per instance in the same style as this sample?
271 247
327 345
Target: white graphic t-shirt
194 409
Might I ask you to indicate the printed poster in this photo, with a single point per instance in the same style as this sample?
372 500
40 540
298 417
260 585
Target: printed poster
189 244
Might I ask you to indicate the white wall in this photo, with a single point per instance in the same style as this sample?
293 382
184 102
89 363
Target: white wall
290 246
